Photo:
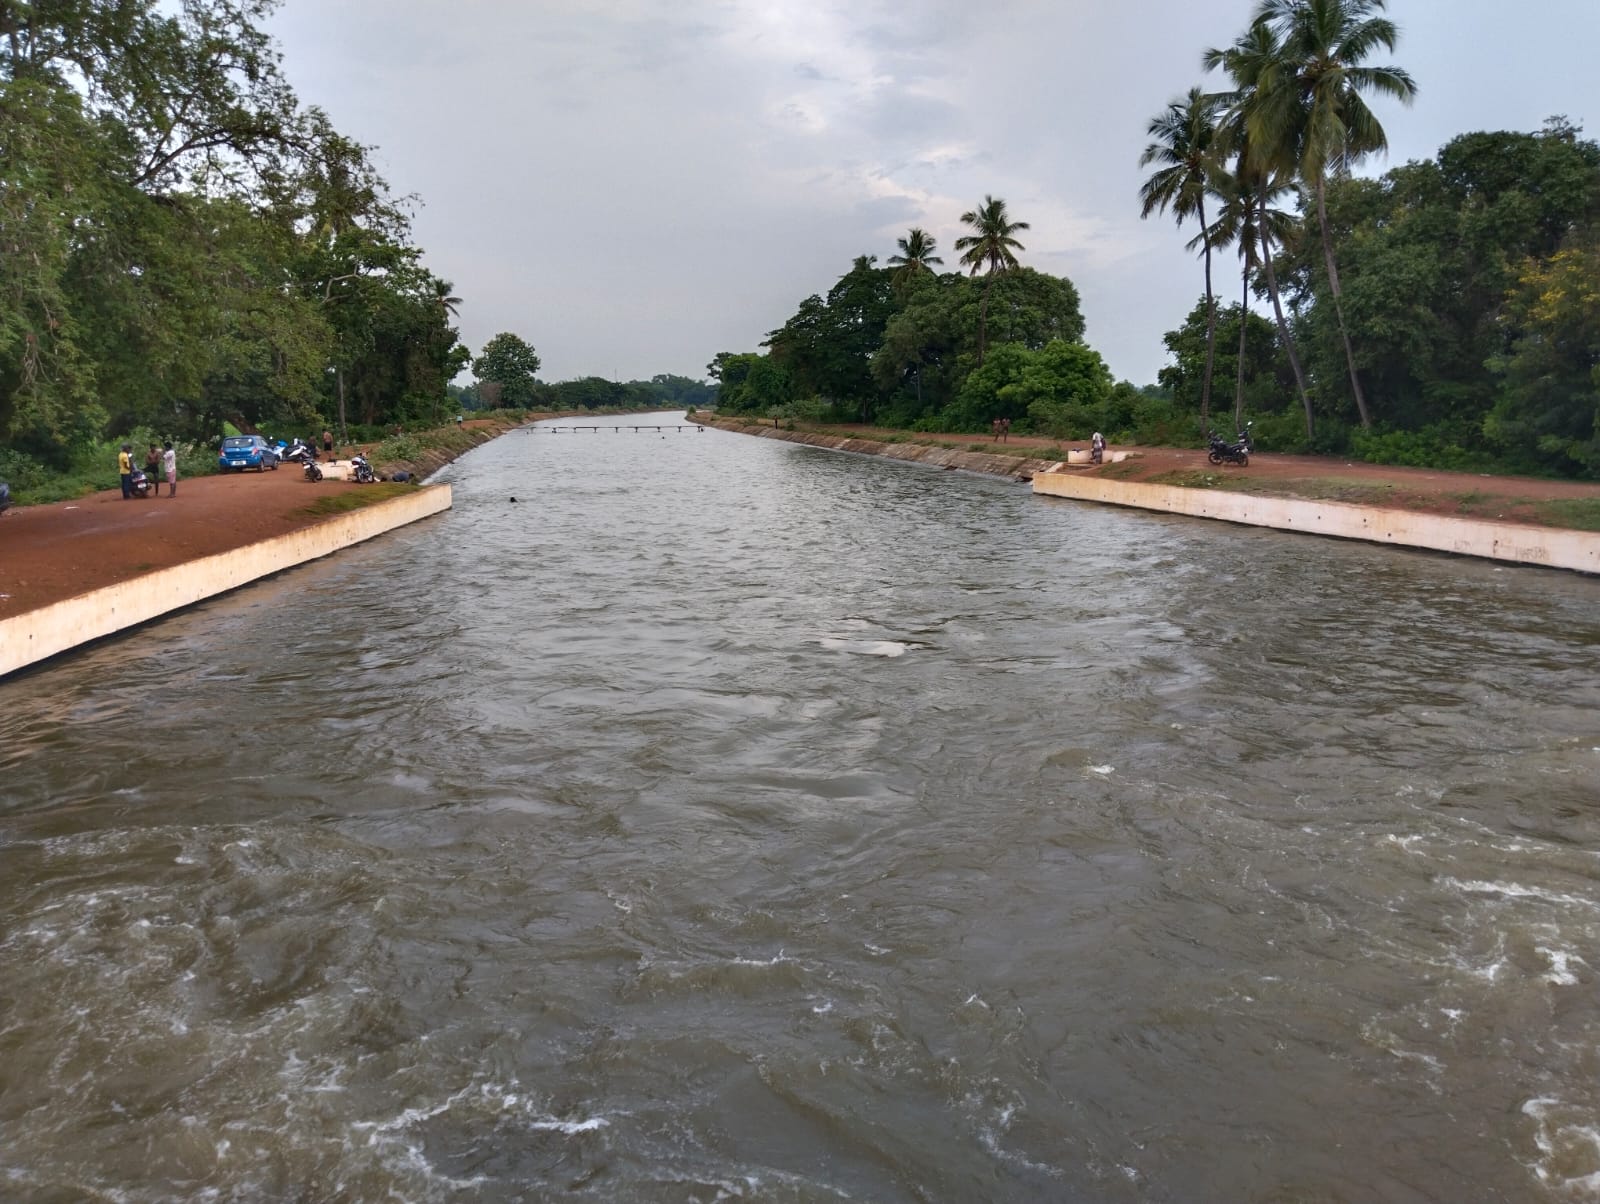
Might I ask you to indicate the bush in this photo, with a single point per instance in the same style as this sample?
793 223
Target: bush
1434 446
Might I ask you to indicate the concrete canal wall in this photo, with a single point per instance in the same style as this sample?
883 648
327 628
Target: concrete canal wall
1548 546
996 464
36 635
1514 542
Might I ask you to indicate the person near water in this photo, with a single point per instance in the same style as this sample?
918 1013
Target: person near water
125 467
1097 448
169 464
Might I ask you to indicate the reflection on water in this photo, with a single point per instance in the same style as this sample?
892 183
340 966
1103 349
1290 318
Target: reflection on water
733 820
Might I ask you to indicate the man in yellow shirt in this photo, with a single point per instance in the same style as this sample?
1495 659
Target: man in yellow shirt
125 467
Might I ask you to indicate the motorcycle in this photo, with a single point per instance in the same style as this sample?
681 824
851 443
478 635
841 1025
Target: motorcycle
313 471
299 452
141 485
5 497
361 470
1237 452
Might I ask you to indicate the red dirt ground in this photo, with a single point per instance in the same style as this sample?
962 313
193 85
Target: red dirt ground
1425 489
48 553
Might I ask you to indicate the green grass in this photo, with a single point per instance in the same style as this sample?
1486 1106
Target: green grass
354 498
1578 513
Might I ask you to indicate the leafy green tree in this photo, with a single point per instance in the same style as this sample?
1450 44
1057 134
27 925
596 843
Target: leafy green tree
1186 146
1549 406
826 348
1057 388
1249 350
512 364
991 247
1312 104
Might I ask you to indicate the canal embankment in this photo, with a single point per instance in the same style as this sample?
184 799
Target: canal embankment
46 631
1518 543
1000 464
1398 526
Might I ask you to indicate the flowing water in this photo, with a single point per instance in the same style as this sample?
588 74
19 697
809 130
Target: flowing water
732 820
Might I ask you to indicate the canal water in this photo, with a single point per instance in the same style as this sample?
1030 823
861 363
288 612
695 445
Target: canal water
724 819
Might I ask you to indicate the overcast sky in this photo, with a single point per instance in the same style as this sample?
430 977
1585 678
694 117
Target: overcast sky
635 185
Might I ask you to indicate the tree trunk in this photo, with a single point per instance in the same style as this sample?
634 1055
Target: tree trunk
338 373
1211 327
1283 326
983 315
1238 376
1338 305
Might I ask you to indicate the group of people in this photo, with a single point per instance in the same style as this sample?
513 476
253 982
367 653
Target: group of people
158 463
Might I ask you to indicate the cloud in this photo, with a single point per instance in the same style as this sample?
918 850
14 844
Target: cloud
634 186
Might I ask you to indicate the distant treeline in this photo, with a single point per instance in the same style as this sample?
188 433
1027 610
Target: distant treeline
592 393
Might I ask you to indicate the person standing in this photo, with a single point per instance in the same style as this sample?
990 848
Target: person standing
152 467
327 443
169 465
125 467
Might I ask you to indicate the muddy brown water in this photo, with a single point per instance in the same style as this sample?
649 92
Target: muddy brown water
733 820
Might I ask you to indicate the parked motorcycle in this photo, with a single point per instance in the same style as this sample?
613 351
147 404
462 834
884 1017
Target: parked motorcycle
313 471
5 497
1237 452
361 470
299 452
141 485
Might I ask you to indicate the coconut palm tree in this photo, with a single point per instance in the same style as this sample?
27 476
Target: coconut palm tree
991 245
1246 61
1186 145
916 255
1311 102
1246 218
442 298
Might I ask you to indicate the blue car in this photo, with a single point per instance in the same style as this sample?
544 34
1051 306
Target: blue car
247 451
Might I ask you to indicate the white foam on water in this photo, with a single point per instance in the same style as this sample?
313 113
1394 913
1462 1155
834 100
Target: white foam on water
1560 1142
1515 890
864 647
1561 960
1103 770
571 1127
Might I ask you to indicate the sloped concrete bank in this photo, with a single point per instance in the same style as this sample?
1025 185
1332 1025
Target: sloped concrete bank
36 635
1020 468
1548 546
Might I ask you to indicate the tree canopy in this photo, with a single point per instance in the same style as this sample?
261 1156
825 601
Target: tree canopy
182 243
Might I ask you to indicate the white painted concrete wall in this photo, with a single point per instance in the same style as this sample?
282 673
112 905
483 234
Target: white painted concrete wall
1554 548
31 637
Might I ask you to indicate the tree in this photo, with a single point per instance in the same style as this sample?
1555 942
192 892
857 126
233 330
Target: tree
1245 344
1060 387
1245 220
991 246
1270 168
512 364
1312 106
826 348
1186 146
916 256
1549 407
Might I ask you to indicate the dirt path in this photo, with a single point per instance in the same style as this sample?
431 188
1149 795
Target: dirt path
1475 495
48 553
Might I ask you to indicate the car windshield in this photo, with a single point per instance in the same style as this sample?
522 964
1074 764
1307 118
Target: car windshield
239 441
